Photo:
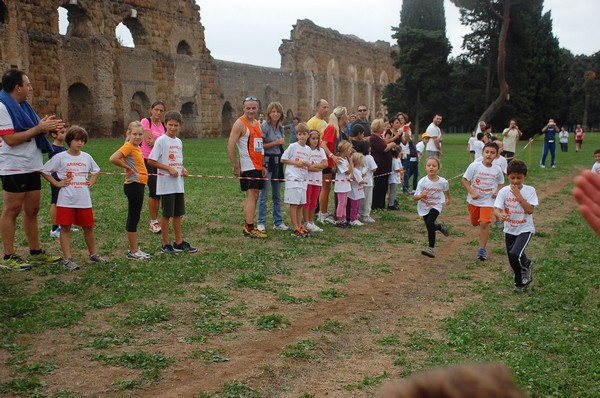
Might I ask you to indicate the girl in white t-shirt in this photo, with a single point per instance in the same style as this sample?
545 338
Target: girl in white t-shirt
318 161
342 183
365 204
395 178
357 192
431 193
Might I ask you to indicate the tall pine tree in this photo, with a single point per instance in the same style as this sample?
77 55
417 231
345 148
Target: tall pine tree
421 89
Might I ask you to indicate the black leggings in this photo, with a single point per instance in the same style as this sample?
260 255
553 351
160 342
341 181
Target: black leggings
431 225
515 249
135 199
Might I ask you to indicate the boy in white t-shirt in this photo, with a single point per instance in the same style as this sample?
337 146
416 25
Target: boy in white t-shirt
297 160
596 166
167 155
74 203
364 213
483 180
515 205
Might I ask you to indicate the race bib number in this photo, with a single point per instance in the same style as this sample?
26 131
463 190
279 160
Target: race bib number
258 145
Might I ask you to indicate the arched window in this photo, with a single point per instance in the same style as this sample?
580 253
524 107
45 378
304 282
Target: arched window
124 36
81 106
183 48
228 117
139 106
190 118
73 21
3 13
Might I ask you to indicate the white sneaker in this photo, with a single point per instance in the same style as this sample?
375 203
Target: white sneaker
154 227
329 220
142 254
261 227
55 233
311 227
368 219
356 223
321 217
280 227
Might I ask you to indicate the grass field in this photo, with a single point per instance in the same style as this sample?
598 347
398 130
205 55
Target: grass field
338 313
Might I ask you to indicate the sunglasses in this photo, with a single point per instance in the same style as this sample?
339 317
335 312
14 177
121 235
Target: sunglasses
250 99
362 110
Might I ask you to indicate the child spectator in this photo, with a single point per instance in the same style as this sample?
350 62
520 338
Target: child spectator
74 204
370 168
579 134
342 183
58 146
482 181
479 144
297 160
421 145
563 139
395 178
318 161
514 205
357 192
431 193
470 145
596 165
167 155
130 158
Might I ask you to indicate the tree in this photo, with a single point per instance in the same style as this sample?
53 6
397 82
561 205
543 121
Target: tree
422 61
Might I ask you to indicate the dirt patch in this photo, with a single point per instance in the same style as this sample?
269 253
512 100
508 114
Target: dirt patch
412 293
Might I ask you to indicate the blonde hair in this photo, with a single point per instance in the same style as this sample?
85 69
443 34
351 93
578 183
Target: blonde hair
344 146
377 125
436 160
358 159
334 118
132 125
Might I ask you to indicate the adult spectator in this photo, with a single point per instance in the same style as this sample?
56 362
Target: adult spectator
362 114
153 128
334 133
380 150
549 131
273 142
22 133
247 136
511 134
434 146
292 128
317 122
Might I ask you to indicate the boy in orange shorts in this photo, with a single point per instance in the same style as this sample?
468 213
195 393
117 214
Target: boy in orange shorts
483 180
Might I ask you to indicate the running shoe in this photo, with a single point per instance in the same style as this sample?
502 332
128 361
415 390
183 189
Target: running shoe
70 264
444 229
15 263
184 247
281 227
45 258
429 252
254 233
95 258
482 254
154 227
55 233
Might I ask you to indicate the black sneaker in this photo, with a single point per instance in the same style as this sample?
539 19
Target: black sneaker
168 249
184 247
527 275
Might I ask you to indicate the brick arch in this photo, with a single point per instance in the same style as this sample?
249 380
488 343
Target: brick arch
138 106
3 13
228 117
81 107
383 79
333 77
189 113
137 30
183 48
352 85
369 89
311 71
80 23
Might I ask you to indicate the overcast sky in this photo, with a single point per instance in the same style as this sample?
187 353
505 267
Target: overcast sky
251 32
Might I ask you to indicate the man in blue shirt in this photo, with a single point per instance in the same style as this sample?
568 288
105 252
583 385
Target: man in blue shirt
549 131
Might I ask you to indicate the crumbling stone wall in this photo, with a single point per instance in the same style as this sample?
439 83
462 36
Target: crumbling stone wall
87 77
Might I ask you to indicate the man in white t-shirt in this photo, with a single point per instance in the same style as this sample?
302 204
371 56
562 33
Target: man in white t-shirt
20 158
434 146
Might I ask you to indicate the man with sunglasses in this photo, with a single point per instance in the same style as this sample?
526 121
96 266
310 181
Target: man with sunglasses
247 136
362 112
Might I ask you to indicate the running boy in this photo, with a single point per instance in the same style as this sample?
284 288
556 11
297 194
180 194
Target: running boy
482 182
297 160
74 204
167 155
514 205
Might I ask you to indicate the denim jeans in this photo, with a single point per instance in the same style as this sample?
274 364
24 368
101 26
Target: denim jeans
275 187
549 147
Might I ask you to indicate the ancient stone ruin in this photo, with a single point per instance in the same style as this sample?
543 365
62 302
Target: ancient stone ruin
87 77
